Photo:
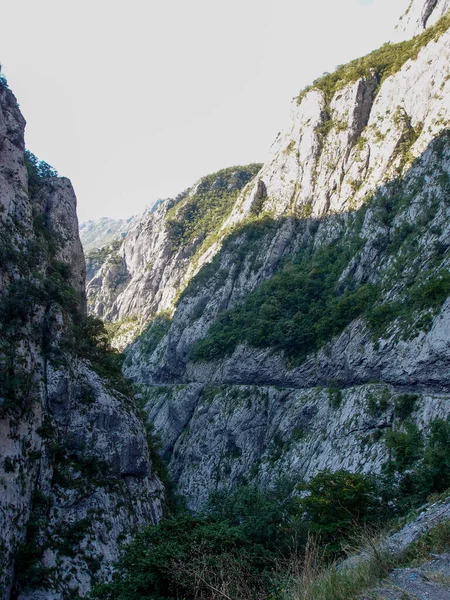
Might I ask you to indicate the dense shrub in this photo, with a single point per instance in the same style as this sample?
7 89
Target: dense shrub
337 503
419 463
29 570
242 544
405 447
298 310
404 405
203 212
37 170
385 61
233 546
313 296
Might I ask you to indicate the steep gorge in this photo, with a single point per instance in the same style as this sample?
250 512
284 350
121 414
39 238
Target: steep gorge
76 477
289 318
327 280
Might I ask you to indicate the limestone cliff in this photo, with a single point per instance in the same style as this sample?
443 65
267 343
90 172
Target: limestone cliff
75 472
322 303
143 275
100 233
419 15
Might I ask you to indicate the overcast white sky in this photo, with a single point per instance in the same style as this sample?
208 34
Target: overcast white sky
134 100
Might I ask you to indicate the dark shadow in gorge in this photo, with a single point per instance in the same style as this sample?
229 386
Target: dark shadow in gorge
292 284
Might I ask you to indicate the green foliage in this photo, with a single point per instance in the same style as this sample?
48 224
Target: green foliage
91 341
384 62
242 543
298 310
264 518
434 541
377 402
434 472
404 405
30 573
154 333
75 471
70 536
37 170
313 296
3 81
405 447
337 504
415 310
419 464
203 213
17 306
9 464
237 539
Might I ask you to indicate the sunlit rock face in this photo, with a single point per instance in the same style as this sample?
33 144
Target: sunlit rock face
365 162
419 15
130 282
361 177
336 151
73 453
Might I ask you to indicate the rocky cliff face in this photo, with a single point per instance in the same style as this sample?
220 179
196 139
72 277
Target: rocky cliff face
419 15
354 194
143 276
75 472
322 301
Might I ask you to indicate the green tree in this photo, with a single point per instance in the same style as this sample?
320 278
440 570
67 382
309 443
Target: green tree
337 503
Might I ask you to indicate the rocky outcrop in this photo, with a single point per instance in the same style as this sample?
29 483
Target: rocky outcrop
338 150
427 578
104 231
161 253
363 173
75 473
349 134
419 15
215 437
398 108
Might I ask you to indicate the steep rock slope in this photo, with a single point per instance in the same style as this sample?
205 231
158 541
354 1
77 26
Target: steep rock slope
333 273
418 16
350 132
142 277
75 472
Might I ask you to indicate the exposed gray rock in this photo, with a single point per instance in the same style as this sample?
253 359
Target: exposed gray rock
428 517
75 473
100 233
427 582
223 421
419 15
148 272
217 436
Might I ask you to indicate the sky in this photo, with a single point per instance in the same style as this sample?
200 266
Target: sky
134 101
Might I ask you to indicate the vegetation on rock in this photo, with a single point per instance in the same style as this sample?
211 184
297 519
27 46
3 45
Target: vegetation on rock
204 210
313 296
245 544
381 63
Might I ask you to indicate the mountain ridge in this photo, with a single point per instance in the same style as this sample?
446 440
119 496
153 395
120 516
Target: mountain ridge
364 165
